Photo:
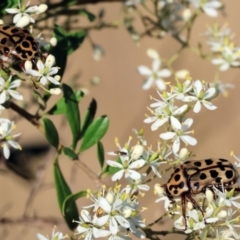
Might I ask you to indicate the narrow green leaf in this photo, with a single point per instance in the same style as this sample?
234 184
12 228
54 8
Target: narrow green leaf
63 192
100 153
40 100
89 116
94 133
51 132
71 200
70 153
72 113
60 108
84 12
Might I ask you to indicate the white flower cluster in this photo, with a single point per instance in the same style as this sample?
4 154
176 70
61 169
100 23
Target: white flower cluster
220 40
55 236
219 217
166 111
23 14
209 7
113 214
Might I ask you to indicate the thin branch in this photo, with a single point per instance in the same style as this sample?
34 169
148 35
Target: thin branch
38 222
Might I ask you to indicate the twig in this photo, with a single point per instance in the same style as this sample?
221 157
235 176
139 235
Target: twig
38 222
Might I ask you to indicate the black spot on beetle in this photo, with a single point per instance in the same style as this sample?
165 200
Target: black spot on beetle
177 170
213 173
24 55
14 30
198 164
29 38
220 166
209 161
196 185
177 177
18 49
3 41
218 180
6 27
187 162
26 31
6 50
171 187
203 176
229 174
25 44
29 53
223 160
181 185
175 191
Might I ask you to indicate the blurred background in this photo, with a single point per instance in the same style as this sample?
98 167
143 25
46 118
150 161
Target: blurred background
119 95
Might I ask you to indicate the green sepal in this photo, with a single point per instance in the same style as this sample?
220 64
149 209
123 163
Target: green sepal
63 192
94 133
50 132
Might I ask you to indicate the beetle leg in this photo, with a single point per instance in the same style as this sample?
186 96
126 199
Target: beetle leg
183 198
196 205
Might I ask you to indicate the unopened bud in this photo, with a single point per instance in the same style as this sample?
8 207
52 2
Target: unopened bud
24 21
181 74
50 60
187 13
183 153
28 65
126 212
110 197
137 151
55 91
57 77
1 22
42 8
209 195
53 41
222 214
189 206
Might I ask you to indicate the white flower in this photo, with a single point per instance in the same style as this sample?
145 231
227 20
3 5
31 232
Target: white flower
226 198
7 89
88 228
126 166
55 236
45 71
161 193
23 14
180 91
6 137
209 7
201 97
180 134
154 76
230 57
222 87
168 113
112 217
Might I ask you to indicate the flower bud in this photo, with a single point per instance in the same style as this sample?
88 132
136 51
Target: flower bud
159 190
57 77
53 41
126 212
189 206
55 91
24 21
209 195
222 214
152 53
42 8
110 197
181 74
187 13
137 151
1 22
28 65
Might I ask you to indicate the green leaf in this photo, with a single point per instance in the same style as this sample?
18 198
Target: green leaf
89 116
91 17
94 133
70 153
71 200
63 192
7 4
100 153
72 113
51 132
74 40
60 108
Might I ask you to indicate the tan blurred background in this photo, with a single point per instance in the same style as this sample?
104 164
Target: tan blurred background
120 96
